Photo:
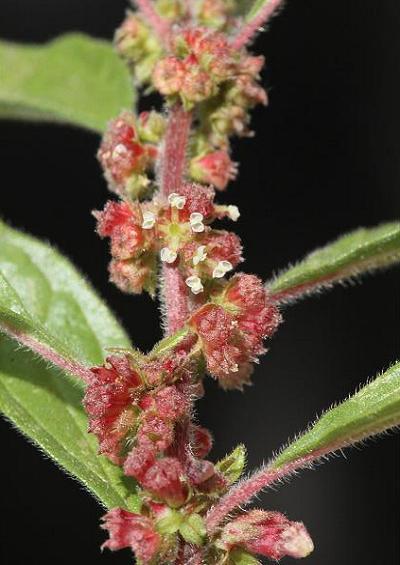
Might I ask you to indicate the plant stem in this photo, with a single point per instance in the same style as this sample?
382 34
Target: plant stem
175 291
160 26
172 167
249 30
245 490
48 354
173 159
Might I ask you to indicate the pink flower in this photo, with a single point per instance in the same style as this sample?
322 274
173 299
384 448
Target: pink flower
232 333
139 460
216 329
121 154
258 317
200 441
114 215
168 75
170 403
202 60
156 429
214 168
131 276
199 199
132 530
166 481
269 534
109 401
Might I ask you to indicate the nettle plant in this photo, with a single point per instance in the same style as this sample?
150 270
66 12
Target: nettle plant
145 456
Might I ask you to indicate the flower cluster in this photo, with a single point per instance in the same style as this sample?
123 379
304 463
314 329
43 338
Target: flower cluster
140 407
138 46
128 151
178 231
201 69
201 62
204 69
232 329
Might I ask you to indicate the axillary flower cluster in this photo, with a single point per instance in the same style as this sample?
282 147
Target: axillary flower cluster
164 168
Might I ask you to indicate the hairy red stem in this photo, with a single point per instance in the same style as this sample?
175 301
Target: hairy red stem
173 162
249 30
172 165
48 354
245 490
160 26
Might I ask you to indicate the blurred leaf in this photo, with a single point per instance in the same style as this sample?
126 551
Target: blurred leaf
359 252
372 410
241 557
252 7
74 79
42 294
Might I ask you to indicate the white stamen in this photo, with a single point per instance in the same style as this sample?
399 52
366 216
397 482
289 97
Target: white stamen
168 255
221 269
233 212
149 220
195 284
176 200
200 255
196 222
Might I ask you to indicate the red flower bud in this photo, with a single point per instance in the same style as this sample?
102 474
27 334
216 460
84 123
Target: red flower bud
258 317
130 276
139 460
215 328
171 404
157 430
132 530
200 441
165 480
199 199
269 534
214 168
121 154
168 75
109 402
114 215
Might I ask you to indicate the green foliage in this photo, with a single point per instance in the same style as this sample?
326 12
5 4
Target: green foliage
241 557
232 466
43 295
372 410
252 7
193 529
359 252
58 82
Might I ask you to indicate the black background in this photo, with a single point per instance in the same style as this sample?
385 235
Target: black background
325 160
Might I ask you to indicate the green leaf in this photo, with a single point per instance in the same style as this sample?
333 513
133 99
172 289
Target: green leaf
74 79
241 557
232 466
359 252
372 410
193 529
170 522
253 7
39 286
